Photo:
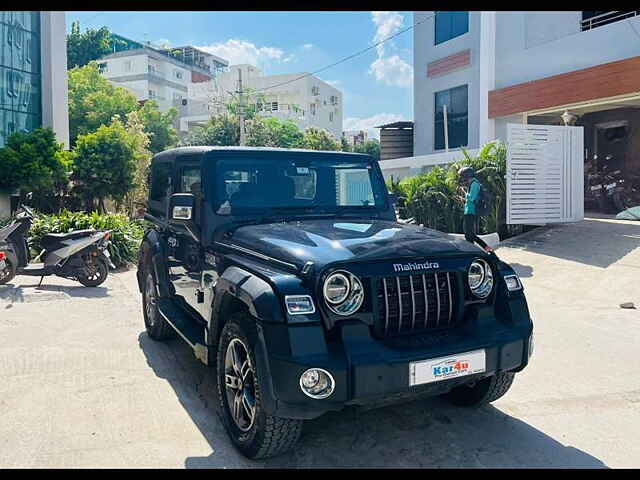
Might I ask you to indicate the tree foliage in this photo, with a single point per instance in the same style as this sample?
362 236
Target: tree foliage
93 101
220 130
370 147
345 146
319 139
272 132
82 48
105 163
159 126
35 162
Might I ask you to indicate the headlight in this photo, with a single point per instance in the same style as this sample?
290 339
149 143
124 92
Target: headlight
480 278
343 292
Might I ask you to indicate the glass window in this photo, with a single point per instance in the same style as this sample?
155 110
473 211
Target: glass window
160 181
247 186
457 117
190 181
450 25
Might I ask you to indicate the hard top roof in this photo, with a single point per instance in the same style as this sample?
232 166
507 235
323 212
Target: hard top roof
205 149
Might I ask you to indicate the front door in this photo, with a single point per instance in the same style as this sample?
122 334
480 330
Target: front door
186 255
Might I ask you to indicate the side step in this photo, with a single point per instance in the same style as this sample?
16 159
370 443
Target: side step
191 332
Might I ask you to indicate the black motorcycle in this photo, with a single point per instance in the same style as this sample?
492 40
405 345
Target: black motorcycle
81 255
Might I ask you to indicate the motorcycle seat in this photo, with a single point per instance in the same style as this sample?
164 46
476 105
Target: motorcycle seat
51 238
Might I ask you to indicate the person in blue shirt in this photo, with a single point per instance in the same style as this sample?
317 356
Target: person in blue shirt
468 179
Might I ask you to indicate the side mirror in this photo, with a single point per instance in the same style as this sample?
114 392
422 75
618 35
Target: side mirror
181 208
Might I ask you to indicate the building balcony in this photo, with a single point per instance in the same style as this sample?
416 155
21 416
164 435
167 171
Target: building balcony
594 19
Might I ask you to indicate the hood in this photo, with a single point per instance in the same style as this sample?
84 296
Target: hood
342 240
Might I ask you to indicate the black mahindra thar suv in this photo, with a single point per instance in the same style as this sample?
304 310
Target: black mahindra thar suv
288 272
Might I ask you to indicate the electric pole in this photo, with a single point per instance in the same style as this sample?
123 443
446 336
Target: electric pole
241 108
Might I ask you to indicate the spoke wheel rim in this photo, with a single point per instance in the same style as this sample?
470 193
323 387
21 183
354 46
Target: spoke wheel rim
6 271
239 378
150 300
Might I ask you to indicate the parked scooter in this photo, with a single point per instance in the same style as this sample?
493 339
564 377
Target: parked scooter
81 255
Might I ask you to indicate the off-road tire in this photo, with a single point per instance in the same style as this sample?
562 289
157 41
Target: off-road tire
9 271
103 270
269 435
483 392
157 327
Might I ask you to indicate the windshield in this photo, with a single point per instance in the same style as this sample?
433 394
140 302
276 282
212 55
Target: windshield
245 186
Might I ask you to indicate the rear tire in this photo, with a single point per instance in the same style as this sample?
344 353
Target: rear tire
157 327
9 271
482 392
98 278
255 434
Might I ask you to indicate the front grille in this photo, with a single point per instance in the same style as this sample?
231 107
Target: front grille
415 303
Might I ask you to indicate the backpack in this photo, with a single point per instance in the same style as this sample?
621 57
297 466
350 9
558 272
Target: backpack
484 202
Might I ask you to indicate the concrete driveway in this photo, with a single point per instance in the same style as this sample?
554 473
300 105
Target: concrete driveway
81 384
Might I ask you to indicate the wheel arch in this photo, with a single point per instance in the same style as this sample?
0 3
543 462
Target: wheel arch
152 251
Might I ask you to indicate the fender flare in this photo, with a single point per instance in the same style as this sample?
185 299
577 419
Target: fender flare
153 246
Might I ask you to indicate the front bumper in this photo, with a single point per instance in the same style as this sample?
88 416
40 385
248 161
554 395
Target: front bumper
368 371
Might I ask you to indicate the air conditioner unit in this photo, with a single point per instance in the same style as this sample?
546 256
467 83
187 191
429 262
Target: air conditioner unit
184 101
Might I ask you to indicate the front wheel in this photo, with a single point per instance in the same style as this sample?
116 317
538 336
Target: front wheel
481 392
94 274
255 433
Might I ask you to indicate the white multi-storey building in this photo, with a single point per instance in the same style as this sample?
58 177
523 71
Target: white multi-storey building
490 69
163 75
307 101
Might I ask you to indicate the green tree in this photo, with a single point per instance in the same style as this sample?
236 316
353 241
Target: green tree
345 145
105 164
272 132
319 139
220 130
140 141
370 147
159 126
35 162
93 101
85 47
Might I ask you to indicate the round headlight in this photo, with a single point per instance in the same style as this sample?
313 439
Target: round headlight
480 278
336 288
343 292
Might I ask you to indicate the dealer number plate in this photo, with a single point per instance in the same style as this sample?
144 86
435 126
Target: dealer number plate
444 368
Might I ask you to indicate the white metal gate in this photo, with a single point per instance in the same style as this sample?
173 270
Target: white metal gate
545 180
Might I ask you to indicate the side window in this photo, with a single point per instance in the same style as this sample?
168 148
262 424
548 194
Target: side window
159 188
190 181
450 25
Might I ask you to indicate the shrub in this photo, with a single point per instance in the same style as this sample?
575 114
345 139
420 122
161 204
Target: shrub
126 234
434 199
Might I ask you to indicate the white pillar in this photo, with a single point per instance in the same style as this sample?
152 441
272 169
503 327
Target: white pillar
487 67
53 51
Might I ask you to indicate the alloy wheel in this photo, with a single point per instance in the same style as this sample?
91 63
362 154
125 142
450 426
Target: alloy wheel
150 300
239 378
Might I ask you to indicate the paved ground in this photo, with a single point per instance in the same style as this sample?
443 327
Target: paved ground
81 385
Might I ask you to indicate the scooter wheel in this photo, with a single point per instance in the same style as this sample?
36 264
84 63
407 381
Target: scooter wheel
98 277
8 272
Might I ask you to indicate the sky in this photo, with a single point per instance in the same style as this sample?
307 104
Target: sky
377 86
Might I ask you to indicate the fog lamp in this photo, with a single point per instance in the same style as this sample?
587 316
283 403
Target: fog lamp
317 383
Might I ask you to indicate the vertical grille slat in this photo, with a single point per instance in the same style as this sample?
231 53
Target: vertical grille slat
415 303
399 303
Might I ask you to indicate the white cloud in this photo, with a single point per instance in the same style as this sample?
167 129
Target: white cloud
368 124
240 51
390 70
307 46
387 24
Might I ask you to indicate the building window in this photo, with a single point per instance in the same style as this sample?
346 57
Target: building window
456 100
177 96
331 116
152 94
274 106
313 109
315 90
127 66
450 25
